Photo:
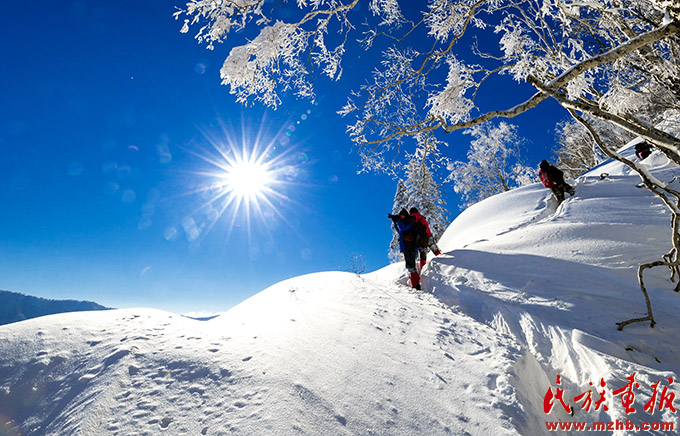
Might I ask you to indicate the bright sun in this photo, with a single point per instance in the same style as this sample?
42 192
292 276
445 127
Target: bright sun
246 183
247 180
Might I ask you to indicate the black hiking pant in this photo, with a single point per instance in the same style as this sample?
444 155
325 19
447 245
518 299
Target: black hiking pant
410 255
559 190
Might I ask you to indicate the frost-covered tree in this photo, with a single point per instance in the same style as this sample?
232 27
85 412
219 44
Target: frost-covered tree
608 59
420 190
401 200
425 194
494 164
575 149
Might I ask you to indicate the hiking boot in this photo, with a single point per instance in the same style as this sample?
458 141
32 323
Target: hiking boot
415 280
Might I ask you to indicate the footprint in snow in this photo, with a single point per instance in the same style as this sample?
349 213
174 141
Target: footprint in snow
491 382
115 357
459 280
484 350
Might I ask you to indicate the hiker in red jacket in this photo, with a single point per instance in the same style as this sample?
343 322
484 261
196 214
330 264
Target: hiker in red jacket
642 150
425 240
405 224
553 178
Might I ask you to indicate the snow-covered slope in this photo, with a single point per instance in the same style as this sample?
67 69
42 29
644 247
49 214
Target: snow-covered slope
558 278
524 292
323 354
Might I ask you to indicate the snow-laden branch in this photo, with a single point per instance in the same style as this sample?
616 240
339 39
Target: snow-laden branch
648 132
283 55
636 43
551 88
507 113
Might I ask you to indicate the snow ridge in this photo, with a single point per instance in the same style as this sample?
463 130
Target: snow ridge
525 291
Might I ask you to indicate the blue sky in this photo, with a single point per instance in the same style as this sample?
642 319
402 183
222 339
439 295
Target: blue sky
106 109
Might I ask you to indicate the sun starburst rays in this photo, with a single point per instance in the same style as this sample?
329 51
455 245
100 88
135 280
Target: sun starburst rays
242 184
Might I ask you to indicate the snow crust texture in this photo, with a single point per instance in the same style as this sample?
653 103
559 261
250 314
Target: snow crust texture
525 291
330 353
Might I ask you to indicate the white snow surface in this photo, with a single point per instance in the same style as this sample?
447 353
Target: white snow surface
524 291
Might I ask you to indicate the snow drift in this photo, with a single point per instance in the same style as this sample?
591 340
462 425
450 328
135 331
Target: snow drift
526 291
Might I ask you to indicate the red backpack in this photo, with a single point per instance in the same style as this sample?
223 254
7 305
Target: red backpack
545 178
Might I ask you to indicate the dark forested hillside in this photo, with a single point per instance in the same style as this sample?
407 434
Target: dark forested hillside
18 307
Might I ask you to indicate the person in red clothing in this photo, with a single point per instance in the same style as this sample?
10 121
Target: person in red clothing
642 150
426 240
405 225
553 178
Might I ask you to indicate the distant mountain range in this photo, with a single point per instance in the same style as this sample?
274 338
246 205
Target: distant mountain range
16 307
